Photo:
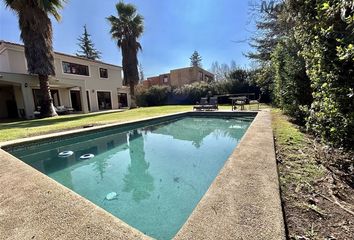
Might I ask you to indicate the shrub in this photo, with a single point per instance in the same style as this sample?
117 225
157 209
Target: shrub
292 87
193 92
325 31
153 96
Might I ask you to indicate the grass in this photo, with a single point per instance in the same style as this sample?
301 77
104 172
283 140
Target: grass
20 129
298 166
299 174
285 132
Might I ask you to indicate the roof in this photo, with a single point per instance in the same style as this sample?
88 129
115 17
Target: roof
178 69
63 54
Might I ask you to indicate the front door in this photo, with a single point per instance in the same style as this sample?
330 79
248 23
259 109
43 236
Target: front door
75 100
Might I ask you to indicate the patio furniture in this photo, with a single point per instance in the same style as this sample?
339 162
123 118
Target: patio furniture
238 101
255 102
213 103
202 105
205 106
61 110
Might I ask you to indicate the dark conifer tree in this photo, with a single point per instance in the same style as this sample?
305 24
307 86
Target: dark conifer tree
87 48
196 60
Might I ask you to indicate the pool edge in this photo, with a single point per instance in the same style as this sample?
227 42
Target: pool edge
98 219
83 130
44 209
243 201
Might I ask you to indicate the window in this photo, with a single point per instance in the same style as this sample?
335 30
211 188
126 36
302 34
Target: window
38 97
200 76
165 79
74 68
104 100
103 73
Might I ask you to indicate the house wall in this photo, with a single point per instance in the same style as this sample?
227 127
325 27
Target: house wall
17 61
93 82
157 80
152 81
12 60
4 61
19 97
180 77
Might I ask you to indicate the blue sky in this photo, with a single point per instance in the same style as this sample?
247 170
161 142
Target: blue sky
173 30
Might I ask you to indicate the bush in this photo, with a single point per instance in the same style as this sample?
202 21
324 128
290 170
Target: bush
326 36
292 87
193 92
153 96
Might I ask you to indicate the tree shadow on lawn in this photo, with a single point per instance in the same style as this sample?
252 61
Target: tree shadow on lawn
48 121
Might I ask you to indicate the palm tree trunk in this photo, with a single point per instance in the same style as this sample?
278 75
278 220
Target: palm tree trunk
47 107
132 94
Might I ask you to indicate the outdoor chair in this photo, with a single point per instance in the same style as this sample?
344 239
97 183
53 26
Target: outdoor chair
255 102
213 104
205 106
202 105
238 101
61 110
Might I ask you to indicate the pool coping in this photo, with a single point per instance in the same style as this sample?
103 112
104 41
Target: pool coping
243 201
42 200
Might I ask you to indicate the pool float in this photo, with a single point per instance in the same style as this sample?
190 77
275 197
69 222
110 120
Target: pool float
111 196
65 154
87 156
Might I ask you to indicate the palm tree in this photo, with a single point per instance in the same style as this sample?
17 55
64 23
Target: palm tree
36 34
126 29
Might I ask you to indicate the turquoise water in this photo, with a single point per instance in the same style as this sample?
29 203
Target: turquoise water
158 172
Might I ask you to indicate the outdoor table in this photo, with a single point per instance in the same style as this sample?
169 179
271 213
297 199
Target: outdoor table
241 101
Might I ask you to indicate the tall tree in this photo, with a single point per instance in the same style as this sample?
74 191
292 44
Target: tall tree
126 28
196 60
141 73
36 34
222 71
87 47
273 25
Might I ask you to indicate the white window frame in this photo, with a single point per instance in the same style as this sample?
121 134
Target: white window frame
99 73
72 74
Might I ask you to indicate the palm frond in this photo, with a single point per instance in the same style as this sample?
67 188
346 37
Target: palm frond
49 6
138 46
125 10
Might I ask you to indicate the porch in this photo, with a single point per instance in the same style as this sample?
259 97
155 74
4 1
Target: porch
20 96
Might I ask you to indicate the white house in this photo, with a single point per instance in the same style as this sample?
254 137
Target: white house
82 84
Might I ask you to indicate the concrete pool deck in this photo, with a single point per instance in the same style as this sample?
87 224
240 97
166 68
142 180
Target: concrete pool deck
243 201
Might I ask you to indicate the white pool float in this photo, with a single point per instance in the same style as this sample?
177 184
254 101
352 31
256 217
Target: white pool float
87 156
111 196
65 154
235 127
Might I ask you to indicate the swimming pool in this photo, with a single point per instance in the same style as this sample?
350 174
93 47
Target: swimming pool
152 175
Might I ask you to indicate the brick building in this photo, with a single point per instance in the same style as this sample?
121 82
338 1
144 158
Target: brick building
180 77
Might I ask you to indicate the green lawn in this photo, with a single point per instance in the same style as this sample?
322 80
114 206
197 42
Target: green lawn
20 129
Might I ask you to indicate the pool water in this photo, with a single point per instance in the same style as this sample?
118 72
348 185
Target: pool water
151 177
